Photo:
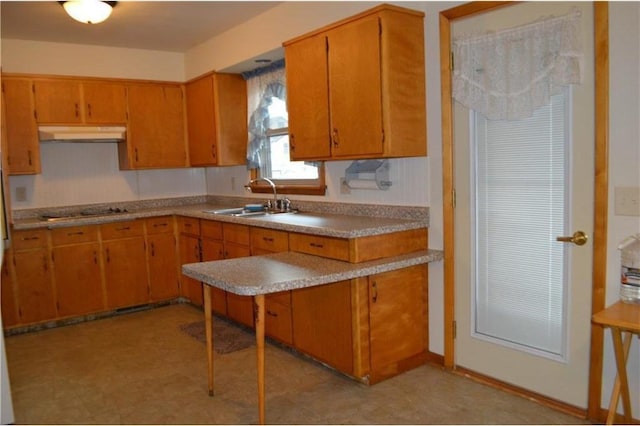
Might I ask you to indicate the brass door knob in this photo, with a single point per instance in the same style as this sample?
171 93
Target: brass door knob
578 238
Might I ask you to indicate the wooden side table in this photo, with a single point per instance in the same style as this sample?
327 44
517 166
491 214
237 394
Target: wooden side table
624 320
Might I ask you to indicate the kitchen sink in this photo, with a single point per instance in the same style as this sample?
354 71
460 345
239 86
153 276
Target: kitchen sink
242 212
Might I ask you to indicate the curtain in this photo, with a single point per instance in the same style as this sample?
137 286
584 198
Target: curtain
506 74
262 85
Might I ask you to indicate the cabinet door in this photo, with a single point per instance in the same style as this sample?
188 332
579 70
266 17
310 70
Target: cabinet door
58 101
308 99
77 278
201 122
397 317
34 288
355 97
105 103
9 305
322 323
156 127
230 107
214 250
190 253
125 272
164 281
21 130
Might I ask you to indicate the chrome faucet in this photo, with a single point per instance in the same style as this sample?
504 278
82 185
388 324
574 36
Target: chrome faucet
273 186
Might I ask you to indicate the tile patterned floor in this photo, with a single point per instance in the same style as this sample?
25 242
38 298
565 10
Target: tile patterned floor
140 368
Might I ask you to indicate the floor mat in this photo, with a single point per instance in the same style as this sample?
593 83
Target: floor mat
227 337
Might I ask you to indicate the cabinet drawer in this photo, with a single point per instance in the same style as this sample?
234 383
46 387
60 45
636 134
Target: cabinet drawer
211 229
74 235
333 248
283 298
189 225
236 233
112 231
160 225
269 239
23 240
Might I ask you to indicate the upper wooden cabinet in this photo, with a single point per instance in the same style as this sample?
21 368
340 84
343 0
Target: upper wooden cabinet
105 103
356 89
19 127
217 120
58 101
72 101
156 127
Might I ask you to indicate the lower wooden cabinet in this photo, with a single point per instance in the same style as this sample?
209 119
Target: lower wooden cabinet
29 276
34 289
237 244
8 300
162 259
190 253
125 266
213 249
398 321
77 276
322 319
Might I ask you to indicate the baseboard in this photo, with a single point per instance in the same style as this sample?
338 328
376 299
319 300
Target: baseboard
516 390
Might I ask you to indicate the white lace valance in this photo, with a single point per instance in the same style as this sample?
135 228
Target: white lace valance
505 75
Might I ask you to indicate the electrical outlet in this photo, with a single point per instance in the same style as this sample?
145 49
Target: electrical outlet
627 201
21 193
233 183
344 188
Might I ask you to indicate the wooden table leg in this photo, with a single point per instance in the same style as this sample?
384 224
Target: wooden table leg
615 394
208 329
621 379
259 321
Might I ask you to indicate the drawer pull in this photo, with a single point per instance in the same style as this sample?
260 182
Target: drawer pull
124 228
155 225
30 238
69 234
374 298
271 313
268 239
316 245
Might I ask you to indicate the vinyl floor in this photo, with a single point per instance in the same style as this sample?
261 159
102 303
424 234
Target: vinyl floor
139 368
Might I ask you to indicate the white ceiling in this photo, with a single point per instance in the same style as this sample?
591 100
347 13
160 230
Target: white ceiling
173 26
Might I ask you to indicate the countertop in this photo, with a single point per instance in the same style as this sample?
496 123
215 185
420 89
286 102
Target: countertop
250 276
326 224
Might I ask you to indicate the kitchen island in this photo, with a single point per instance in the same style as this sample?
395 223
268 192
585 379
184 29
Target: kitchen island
260 275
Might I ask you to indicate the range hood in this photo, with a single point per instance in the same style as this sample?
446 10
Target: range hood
82 133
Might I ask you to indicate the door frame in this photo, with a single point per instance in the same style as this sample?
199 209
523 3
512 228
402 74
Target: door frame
601 185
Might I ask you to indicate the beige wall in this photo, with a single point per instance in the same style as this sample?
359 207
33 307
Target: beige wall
23 56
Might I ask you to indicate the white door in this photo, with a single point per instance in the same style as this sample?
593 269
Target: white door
559 374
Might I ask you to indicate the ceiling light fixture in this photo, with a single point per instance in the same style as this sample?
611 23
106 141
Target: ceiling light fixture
88 11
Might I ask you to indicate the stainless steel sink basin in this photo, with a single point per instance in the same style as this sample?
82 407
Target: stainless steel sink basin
241 212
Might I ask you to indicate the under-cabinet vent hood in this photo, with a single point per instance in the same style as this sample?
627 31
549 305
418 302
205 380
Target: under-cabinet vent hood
90 134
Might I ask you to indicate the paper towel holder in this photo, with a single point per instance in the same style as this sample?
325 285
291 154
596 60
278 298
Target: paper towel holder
369 170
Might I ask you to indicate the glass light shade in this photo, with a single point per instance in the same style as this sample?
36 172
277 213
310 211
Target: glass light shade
88 11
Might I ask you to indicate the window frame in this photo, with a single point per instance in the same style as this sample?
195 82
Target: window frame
289 186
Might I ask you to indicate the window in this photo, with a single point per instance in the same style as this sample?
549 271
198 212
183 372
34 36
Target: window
268 151
520 197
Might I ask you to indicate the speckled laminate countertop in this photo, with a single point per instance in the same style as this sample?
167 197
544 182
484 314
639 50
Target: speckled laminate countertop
250 276
326 224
